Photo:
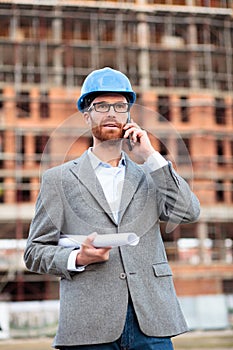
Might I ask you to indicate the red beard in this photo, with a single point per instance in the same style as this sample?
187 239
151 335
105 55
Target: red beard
103 134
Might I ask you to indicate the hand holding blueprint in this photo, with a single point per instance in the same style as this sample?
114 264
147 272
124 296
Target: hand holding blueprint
101 241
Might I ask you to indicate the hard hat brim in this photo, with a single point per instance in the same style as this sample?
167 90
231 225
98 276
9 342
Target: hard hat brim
130 95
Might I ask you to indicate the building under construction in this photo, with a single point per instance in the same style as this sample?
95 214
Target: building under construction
179 57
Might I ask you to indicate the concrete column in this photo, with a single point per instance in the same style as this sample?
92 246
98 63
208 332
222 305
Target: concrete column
57 29
13 26
229 52
143 57
43 62
194 83
29 150
120 48
204 249
57 57
34 97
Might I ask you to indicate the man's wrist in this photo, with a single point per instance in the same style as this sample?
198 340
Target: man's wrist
72 265
148 154
155 161
77 261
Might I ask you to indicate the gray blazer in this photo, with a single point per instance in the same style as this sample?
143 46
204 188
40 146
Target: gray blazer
93 303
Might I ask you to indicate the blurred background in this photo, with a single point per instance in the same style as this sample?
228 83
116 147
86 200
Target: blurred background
178 55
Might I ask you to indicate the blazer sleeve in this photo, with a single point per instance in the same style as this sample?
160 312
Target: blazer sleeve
176 202
42 253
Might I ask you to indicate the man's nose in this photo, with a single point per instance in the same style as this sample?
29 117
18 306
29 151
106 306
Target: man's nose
111 111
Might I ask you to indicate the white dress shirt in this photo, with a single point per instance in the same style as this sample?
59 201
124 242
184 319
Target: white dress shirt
112 180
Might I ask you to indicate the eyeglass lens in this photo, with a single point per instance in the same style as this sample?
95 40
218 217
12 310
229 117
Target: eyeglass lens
119 107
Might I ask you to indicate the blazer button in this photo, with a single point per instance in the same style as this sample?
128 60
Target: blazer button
123 276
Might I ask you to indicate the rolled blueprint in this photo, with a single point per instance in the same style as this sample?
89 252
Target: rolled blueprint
100 241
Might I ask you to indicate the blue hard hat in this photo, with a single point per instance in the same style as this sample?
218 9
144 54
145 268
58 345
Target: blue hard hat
105 80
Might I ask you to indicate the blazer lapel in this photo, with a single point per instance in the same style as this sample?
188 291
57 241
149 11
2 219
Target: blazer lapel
133 177
83 170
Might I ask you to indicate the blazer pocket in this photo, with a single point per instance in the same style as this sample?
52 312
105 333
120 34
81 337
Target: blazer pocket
162 269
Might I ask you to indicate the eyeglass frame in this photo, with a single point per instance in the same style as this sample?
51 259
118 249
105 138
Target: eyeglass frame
109 106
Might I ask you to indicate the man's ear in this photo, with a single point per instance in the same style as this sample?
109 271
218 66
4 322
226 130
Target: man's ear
86 116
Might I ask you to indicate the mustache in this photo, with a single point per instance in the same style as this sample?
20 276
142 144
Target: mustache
111 121
98 131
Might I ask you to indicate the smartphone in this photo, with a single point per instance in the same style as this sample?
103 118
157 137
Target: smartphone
129 138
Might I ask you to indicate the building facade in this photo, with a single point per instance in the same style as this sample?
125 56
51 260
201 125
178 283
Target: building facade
179 58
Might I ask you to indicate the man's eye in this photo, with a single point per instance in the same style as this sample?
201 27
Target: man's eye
120 106
103 105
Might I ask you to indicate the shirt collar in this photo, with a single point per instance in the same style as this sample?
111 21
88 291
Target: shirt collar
96 162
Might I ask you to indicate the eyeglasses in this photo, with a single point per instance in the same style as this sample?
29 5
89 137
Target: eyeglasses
103 107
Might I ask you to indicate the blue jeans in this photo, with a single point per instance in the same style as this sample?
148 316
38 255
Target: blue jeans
131 339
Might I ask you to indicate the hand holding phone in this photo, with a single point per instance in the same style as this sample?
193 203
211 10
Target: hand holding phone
138 141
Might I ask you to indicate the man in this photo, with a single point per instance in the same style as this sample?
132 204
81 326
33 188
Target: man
122 297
